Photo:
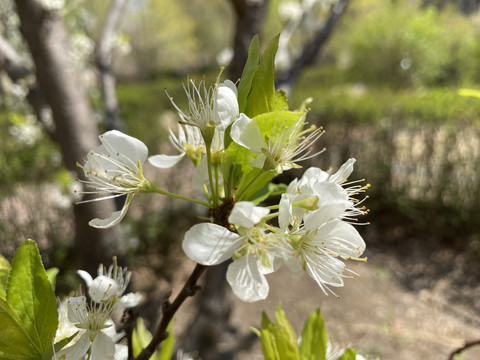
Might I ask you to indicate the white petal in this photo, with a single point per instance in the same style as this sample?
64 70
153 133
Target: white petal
77 350
103 347
210 244
165 161
129 147
103 288
85 276
246 132
130 300
285 211
246 214
227 103
325 270
77 309
114 219
246 280
344 172
121 352
341 238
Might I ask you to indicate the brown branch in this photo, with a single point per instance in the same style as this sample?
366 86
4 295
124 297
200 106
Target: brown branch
288 78
104 61
468 344
169 309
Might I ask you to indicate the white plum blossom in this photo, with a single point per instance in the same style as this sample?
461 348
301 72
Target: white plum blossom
312 214
115 167
281 149
93 319
109 285
253 250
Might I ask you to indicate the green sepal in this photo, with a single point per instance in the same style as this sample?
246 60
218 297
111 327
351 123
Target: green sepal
48 354
248 73
261 96
31 297
4 273
268 190
314 338
348 354
15 342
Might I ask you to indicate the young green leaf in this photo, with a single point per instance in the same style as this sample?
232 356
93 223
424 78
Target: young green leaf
248 73
285 336
15 342
52 276
314 338
31 297
4 272
168 345
140 337
261 97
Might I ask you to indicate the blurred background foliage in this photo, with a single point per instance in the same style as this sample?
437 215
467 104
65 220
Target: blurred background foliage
385 89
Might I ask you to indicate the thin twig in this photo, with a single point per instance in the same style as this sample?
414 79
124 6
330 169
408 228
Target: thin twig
169 309
129 320
467 345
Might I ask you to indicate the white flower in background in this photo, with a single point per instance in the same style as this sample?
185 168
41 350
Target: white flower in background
210 107
253 250
53 4
181 355
109 285
282 149
115 167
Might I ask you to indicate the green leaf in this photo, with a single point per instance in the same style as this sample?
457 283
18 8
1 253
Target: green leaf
248 73
52 276
261 97
15 342
348 354
4 273
253 182
267 122
280 101
314 338
31 296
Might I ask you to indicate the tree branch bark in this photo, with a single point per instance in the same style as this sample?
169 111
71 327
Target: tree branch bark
76 132
250 15
104 61
288 78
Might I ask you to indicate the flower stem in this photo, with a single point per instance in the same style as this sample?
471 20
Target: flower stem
210 177
169 309
176 196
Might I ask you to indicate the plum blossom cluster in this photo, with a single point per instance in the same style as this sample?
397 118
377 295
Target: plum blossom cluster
237 150
90 321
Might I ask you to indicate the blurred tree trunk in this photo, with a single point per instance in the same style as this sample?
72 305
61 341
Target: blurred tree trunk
75 130
104 61
288 78
250 15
